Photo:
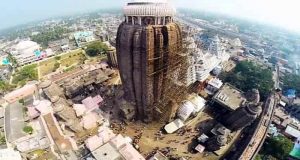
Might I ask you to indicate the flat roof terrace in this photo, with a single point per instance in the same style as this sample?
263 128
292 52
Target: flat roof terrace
14 122
230 97
62 143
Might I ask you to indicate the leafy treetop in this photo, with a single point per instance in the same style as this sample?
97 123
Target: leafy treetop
248 75
96 48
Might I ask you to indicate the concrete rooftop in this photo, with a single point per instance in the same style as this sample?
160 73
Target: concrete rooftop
230 97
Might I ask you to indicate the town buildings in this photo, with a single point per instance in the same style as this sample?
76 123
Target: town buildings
203 62
213 86
5 72
109 146
60 45
83 37
26 52
10 154
207 62
72 103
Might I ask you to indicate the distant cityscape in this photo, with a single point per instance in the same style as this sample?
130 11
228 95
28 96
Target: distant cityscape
149 82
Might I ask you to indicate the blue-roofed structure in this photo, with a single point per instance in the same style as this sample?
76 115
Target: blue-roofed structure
5 61
37 53
83 37
290 93
272 130
295 153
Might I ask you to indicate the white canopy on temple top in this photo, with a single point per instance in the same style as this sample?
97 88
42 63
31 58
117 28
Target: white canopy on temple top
156 8
152 1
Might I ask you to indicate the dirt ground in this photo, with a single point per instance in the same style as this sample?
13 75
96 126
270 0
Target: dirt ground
150 137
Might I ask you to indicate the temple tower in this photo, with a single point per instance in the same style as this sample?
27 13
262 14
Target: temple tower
147 42
245 115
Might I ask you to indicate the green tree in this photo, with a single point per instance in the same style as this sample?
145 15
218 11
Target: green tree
96 48
12 60
291 81
5 87
25 74
248 75
56 66
28 129
2 140
277 147
48 35
258 157
57 58
22 101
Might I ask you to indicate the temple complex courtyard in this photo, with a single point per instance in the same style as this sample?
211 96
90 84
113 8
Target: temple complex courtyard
151 137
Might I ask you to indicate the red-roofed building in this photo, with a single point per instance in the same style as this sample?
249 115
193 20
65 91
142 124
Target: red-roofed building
27 90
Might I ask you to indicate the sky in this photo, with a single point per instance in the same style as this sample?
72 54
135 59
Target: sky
283 13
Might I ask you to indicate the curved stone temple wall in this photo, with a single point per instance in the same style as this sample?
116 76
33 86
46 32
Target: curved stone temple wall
242 117
145 55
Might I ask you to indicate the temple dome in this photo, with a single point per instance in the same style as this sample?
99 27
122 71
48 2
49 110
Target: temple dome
222 140
45 84
253 109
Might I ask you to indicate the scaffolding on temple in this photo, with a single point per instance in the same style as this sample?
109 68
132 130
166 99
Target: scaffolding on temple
174 89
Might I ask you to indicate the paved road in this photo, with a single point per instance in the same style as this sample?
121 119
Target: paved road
276 77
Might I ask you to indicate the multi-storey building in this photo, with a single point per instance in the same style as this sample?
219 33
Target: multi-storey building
26 52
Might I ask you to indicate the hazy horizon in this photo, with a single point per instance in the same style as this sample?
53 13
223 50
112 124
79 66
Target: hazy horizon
281 13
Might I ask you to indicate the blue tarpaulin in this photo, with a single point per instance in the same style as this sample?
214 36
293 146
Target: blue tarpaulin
290 93
37 53
296 150
5 61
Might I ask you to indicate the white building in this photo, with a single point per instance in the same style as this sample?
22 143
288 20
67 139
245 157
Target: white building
191 75
198 102
108 146
215 56
83 37
185 110
65 48
174 126
204 66
191 72
218 48
10 154
191 106
26 52
213 86
236 42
